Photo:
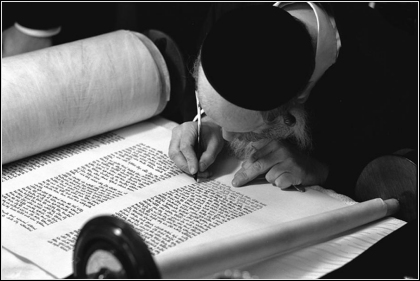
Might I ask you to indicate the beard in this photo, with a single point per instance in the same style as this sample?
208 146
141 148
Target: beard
297 135
241 149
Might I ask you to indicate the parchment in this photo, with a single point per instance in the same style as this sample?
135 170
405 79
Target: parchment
211 210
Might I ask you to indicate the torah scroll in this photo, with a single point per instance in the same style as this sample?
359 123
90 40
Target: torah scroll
73 91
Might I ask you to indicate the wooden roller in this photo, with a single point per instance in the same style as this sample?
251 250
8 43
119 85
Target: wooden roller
392 176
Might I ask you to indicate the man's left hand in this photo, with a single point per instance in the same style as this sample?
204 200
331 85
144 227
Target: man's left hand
284 166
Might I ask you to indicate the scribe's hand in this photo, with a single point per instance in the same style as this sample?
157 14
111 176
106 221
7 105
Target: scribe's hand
181 147
284 166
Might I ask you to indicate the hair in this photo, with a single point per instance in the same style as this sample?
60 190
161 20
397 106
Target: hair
290 120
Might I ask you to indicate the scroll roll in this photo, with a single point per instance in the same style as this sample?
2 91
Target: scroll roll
243 249
73 91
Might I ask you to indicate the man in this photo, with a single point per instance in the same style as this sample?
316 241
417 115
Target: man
302 117
263 69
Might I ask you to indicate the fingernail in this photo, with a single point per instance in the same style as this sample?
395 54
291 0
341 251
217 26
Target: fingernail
192 170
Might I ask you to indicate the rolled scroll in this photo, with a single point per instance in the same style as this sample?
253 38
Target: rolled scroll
208 258
73 91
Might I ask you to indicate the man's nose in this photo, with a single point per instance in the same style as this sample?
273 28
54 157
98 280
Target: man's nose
229 136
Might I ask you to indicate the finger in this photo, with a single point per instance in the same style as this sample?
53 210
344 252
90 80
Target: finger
175 142
181 163
186 146
284 167
275 172
268 157
207 158
261 143
244 176
286 180
175 154
205 174
261 152
214 146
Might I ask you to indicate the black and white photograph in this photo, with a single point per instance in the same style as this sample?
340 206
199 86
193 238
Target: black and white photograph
209 140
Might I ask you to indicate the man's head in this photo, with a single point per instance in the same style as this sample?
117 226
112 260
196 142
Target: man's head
254 65
241 127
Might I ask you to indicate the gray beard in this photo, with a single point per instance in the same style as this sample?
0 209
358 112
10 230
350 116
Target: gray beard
241 149
297 135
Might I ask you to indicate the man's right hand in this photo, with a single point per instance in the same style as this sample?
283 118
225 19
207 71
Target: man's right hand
181 147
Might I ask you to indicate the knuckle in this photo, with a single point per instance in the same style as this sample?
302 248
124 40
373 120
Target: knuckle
243 176
246 164
184 147
257 166
254 156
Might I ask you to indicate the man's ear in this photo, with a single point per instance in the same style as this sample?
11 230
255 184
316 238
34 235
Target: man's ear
304 95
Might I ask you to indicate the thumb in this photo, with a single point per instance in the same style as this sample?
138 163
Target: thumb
286 180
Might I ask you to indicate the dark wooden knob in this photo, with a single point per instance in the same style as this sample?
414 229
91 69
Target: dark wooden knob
391 176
